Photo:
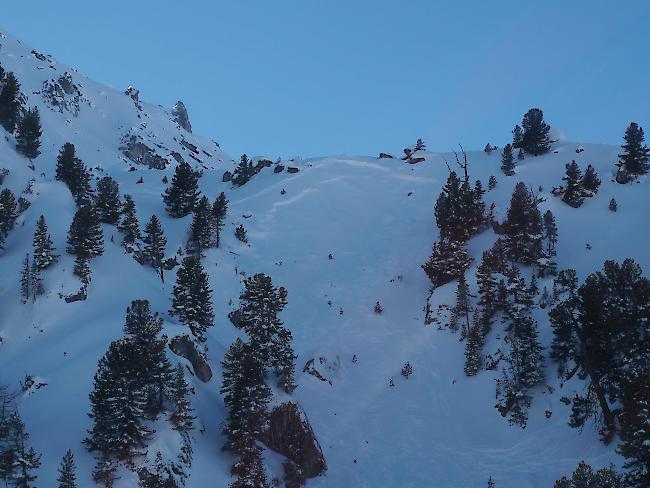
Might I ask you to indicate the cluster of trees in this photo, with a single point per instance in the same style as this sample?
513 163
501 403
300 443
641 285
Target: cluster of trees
134 384
601 333
73 172
245 369
460 214
17 459
579 186
244 171
585 477
207 223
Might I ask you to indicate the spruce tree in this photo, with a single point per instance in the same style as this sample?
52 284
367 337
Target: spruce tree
590 180
129 226
85 237
243 172
635 157
8 213
72 171
82 269
261 303
181 417
67 472
250 470
154 244
25 280
574 192
461 311
635 431
181 197
9 103
613 206
37 286
508 161
201 228
492 182
523 227
191 301
448 261
473 348
245 395
28 137
107 201
44 256
22 460
240 233
535 138
219 210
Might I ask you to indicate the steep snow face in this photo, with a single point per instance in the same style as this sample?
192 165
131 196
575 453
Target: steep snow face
375 218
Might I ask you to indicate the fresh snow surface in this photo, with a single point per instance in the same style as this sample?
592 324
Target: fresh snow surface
375 216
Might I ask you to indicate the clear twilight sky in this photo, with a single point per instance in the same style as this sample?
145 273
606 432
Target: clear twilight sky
318 77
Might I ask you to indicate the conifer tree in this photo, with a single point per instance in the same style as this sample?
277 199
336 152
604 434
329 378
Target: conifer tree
36 282
181 417
550 233
250 470
590 180
21 459
240 233
473 348
154 244
523 227
28 137
129 226
517 137
82 269
219 210
461 311
448 261
181 197
535 138
521 155
191 301
8 213
613 206
26 280
635 431
261 303
419 145
243 172
71 170
574 192
487 288
9 103
635 157
201 228
85 237
67 472
107 200
44 255
245 395
492 182
508 161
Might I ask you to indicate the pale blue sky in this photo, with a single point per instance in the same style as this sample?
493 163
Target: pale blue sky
322 77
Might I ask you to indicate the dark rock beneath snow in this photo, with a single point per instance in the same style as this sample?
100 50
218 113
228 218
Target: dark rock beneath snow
292 169
385 156
289 433
184 346
227 176
179 115
77 297
140 153
190 146
279 168
179 159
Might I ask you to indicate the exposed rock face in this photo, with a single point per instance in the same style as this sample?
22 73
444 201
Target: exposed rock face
63 95
184 346
179 115
385 156
290 434
292 169
279 168
140 153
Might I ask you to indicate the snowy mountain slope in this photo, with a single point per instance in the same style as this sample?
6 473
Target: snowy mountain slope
375 217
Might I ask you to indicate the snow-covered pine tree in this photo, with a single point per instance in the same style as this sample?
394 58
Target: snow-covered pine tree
219 210
8 213
129 226
492 183
67 472
107 201
37 286
508 161
635 157
10 103
28 136
243 172
523 227
573 192
535 139
448 261
44 255
461 311
154 244
284 360
22 460
635 431
85 237
179 391
82 269
419 145
142 328
240 233
590 180
245 395
584 477
181 197
613 206
192 302
201 228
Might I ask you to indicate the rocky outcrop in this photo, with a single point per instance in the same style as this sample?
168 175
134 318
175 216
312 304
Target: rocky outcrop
63 95
279 168
138 152
184 346
227 176
289 433
292 169
384 155
179 115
